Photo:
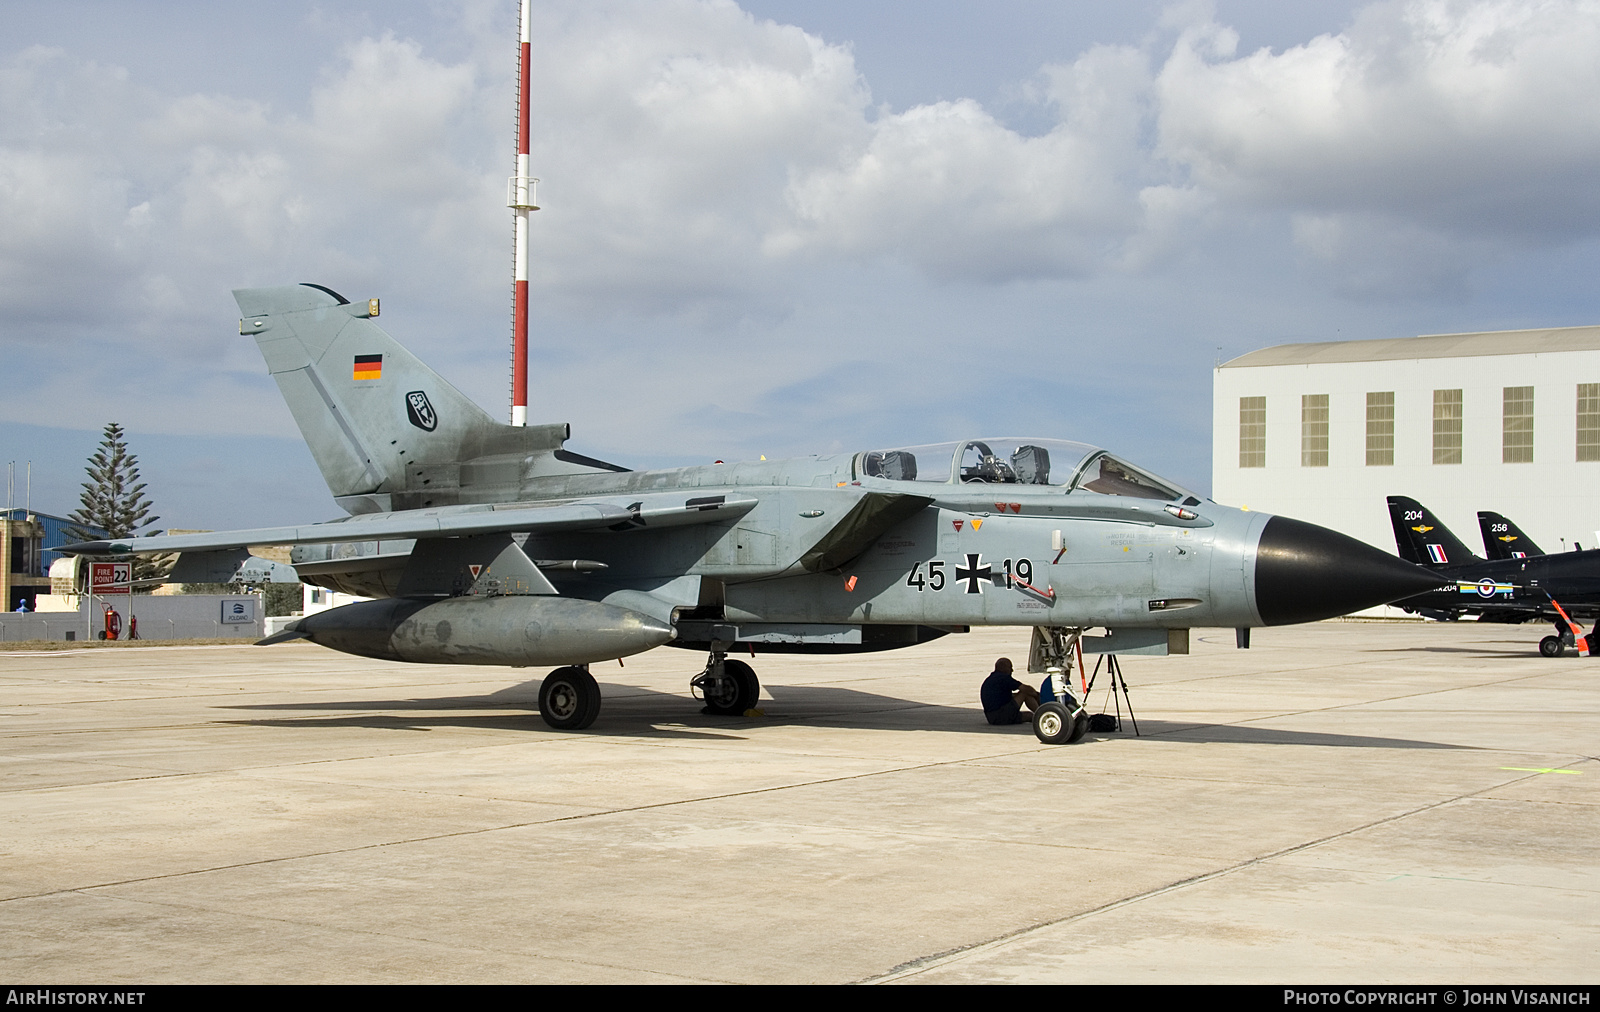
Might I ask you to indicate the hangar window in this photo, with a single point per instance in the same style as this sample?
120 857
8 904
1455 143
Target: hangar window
1516 426
1314 430
1252 432
1447 426
1589 421
1380 428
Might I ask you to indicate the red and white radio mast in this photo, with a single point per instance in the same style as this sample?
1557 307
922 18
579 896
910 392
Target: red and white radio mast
521 197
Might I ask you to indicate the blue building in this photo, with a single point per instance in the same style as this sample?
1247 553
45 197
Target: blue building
26 540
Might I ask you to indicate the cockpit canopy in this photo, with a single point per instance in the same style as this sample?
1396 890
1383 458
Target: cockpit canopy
1059 463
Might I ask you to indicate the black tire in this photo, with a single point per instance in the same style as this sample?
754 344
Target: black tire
569 699
1551 646
1080 727
738 693
1053 725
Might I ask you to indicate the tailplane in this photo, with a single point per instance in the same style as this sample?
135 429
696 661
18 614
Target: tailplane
388 432
1503 539
1422 539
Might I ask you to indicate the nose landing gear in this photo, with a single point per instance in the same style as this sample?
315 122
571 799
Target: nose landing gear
729 688
1060 723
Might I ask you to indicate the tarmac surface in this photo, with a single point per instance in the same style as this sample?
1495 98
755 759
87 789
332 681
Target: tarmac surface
1345 802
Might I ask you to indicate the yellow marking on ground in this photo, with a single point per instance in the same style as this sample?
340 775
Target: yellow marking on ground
1530 769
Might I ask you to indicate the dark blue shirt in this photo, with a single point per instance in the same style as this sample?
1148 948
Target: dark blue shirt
996 691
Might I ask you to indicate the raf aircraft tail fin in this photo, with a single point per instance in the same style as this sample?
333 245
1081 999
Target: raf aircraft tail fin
1422 539
388 432
1503 539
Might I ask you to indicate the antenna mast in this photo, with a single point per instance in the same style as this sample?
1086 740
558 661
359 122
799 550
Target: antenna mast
521 197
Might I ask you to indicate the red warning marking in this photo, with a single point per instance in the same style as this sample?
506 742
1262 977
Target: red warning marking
958 524
475 570
1048 593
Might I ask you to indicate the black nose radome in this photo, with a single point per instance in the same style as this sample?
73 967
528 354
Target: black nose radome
1305 573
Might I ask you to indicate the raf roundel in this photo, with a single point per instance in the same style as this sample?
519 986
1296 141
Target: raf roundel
420 411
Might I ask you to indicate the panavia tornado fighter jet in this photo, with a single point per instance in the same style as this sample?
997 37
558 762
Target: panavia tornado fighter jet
1517 583
484 543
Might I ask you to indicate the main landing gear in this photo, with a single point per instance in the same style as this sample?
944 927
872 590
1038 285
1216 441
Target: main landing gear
569 699
729 688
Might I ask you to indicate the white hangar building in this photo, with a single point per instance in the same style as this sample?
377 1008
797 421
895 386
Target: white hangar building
1506 421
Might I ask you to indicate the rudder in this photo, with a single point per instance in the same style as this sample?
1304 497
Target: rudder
1503 539
377 420
1422 539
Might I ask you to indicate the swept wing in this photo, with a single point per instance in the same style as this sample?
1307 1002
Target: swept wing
620 513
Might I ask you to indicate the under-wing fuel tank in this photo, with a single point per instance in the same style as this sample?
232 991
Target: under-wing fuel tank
516 631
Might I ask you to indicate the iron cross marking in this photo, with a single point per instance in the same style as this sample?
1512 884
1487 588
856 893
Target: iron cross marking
972 573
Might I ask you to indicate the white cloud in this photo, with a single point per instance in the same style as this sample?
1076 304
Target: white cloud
1421 137
130 214
696 157
1460 119
950 189
665 133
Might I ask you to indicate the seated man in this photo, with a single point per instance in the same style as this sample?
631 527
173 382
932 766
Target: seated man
1003 696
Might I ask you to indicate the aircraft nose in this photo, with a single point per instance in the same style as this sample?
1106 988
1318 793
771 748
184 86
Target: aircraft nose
1305 573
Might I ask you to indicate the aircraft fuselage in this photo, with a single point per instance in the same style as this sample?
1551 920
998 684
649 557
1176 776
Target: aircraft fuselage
959 554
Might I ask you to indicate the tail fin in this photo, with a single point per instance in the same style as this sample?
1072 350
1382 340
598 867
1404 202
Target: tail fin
387 431
1503 539
1422 539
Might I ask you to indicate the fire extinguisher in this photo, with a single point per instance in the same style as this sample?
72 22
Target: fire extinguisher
113 624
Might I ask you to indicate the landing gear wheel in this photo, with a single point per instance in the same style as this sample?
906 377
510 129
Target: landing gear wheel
1551 646
1054 724
1080 727
569 699
736 693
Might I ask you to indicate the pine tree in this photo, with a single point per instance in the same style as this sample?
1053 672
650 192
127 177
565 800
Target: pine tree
113 497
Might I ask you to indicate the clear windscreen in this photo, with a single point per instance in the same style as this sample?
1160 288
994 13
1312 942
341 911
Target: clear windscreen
930 463
1110 475
1059 463
1002 461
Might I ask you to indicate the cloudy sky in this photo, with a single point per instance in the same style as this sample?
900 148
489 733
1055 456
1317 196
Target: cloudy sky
777 228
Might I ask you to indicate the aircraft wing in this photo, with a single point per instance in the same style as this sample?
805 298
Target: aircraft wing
617 513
